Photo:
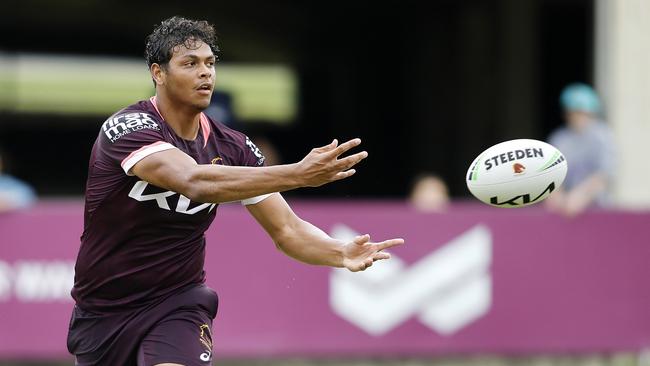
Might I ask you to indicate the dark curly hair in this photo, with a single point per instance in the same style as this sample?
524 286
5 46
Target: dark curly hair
174 32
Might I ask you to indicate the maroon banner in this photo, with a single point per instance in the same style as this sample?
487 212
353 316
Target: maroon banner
475 279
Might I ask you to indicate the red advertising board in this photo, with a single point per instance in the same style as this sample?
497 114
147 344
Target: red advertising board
471 280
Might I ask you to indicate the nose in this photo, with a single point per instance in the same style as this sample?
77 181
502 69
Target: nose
205 72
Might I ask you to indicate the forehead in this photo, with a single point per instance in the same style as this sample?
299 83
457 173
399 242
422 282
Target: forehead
196 48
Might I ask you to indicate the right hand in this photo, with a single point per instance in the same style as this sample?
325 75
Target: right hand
323 165
361 253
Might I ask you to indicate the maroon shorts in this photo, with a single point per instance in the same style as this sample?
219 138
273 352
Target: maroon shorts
177 330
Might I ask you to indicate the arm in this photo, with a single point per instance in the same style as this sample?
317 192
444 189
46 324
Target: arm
305 242
176 171
573 202
582 195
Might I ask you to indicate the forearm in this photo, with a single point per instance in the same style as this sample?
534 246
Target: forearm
307 243
218 183
589 189
176 171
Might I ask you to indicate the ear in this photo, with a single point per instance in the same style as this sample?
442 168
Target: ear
157 74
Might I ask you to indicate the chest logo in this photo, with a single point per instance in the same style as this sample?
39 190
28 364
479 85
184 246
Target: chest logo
183 205
124 124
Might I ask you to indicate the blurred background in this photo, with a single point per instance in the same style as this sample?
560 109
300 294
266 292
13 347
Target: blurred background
426 85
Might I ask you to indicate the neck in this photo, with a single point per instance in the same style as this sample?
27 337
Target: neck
183 119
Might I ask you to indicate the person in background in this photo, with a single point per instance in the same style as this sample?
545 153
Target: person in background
429 193
588 145
14 193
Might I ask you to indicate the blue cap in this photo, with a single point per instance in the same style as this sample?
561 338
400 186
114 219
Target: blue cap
580 97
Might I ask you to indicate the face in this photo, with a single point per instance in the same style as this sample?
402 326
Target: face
578 120
188 78
430 194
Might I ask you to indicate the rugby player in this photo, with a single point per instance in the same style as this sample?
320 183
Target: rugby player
157 171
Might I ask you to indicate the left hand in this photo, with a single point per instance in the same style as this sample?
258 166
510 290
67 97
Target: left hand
360 253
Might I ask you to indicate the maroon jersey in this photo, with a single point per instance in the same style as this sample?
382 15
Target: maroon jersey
141 242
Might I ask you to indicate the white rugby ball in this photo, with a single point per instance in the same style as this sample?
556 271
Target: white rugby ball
516 173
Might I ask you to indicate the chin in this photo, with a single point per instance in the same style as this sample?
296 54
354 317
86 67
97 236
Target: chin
201 105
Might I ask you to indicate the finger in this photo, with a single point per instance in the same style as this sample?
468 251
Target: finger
362 239
389 243
345 174
346 146
352 160
380 255
331 146
365 264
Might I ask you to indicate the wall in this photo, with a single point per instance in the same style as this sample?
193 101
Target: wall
623 78
475 280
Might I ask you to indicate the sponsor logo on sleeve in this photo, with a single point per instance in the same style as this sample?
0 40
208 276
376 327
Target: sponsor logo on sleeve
256 151
123 124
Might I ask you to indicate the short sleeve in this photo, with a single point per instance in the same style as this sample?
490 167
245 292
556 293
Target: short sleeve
253 156
127 138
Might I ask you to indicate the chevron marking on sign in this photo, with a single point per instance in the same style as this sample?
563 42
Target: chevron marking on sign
446 290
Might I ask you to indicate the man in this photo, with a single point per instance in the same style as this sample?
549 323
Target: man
157 170
588 145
